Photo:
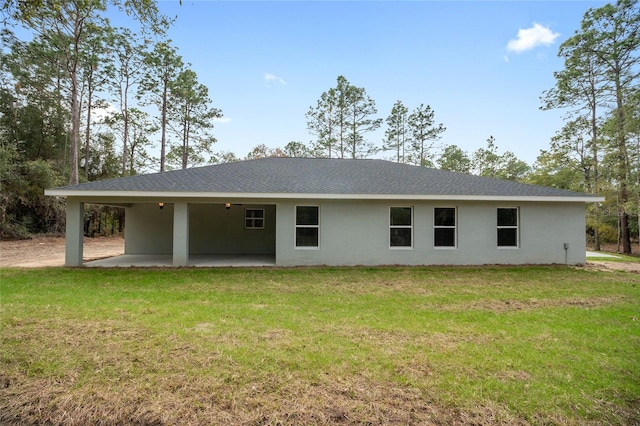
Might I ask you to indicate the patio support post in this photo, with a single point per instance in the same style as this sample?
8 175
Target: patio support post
181 234
74 233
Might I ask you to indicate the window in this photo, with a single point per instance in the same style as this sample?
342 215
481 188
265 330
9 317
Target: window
444 227
508 227
400 226
307 226
254 218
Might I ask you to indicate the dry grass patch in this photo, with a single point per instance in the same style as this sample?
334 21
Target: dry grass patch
502 306
181 398
190 400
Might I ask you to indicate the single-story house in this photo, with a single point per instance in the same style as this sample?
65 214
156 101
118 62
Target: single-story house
303 211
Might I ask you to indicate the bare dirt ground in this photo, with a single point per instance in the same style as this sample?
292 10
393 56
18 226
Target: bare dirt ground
615 266
48 251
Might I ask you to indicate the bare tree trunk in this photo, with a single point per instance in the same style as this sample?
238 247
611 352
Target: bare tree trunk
132 152
125 131
185 138
594 150
87 137
638 183
623 169
75 105
163 137
619 233
75 130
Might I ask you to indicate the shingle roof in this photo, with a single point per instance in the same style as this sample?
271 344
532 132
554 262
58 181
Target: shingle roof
317 176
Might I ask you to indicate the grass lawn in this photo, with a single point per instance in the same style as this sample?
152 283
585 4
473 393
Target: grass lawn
374 346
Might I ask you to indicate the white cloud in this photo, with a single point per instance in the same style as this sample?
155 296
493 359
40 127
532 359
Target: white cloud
268 77
529 38
222 120
99 114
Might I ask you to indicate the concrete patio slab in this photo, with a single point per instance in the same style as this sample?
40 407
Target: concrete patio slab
601 254
203 261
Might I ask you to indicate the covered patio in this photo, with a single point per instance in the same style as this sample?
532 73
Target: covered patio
203 233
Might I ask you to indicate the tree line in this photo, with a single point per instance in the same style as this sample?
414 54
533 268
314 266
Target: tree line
82 100
345 115
598 148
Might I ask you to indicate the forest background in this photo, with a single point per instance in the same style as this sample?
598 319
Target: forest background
83 100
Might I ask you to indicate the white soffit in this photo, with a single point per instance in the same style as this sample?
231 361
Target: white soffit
119 196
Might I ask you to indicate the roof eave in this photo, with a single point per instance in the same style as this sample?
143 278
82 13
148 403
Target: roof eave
158 195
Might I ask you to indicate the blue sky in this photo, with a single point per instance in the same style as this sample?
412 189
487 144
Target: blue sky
481 66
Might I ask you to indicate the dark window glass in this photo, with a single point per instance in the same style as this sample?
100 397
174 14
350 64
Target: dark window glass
306 237
508 237
507 217
307 226
254 218
307 215
400 216
445 216
400 230
254 223
444 237
254 213
507 227
444 232
400 237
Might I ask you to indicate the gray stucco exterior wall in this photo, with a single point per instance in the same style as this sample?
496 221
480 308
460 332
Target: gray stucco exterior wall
148 229
212 229
357 233
217 230
74 233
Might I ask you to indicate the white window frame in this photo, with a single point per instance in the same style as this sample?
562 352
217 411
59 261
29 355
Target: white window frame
516 227
410 227
296 226
454 227
253 219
